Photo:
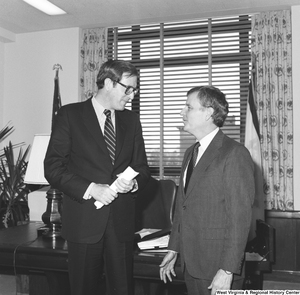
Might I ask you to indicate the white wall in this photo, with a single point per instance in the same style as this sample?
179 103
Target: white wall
29 79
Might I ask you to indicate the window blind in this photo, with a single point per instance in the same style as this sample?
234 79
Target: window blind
172 58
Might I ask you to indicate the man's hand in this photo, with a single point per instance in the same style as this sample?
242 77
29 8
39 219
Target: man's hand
124 186
221 281
167 266
103 194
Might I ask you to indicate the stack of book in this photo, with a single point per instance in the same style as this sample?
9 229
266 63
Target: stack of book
153 239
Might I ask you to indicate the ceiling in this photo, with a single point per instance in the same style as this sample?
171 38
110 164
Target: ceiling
18 17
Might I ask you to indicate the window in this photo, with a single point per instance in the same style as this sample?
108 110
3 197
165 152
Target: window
171 59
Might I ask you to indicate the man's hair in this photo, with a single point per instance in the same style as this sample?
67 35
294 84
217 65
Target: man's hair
114 70
210 96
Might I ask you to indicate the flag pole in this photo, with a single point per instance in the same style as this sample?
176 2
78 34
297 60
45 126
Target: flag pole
56 95
52 216
252 143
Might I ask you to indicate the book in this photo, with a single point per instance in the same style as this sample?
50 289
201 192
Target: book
151 233
146 231
154 243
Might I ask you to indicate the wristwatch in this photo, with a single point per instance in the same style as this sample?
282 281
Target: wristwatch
228 272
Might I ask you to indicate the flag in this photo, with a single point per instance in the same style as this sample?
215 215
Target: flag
56 96
252 143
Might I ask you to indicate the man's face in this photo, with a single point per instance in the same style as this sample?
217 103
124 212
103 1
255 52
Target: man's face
118 97
195 116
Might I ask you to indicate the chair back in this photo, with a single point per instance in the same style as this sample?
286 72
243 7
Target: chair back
168 190
155 204
264 242
266 235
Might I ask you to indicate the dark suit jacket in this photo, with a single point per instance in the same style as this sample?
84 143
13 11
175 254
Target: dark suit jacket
77 155
212 220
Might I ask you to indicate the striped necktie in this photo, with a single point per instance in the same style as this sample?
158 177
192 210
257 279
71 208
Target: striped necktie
109 135
192 164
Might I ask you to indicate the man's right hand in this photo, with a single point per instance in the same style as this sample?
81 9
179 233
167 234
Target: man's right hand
103 194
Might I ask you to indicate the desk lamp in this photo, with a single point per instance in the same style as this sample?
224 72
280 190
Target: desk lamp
35 175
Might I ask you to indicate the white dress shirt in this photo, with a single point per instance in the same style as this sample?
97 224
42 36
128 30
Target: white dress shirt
204 143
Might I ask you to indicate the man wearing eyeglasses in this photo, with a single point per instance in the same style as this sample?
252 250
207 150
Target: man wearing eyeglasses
91 144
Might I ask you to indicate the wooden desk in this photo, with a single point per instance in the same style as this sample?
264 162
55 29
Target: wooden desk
45 261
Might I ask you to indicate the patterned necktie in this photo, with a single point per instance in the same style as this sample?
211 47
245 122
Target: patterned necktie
110 136
192 164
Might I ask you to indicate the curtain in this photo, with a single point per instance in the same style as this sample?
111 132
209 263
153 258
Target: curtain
93 53
272 60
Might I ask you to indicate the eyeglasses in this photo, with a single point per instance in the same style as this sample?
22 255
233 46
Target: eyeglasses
129 89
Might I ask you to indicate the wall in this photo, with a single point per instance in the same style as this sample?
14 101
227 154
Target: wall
29 79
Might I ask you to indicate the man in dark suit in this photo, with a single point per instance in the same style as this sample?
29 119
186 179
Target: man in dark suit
213 208
81 164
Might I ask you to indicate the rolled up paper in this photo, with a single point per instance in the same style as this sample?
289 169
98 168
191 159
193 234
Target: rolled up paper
128 174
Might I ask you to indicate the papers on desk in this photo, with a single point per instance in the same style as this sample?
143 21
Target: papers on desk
153 239
156 243
153 251
147 231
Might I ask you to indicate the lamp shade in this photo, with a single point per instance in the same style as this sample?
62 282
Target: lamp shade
35 168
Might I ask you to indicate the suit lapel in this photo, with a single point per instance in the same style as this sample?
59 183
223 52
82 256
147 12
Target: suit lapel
210 153
90 120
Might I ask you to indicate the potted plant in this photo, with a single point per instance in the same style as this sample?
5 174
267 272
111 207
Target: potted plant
13 191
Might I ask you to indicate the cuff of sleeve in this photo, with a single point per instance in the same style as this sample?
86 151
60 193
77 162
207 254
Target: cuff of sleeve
172 251
87 195
135 186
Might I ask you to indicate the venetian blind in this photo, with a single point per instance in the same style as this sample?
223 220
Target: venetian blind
171 59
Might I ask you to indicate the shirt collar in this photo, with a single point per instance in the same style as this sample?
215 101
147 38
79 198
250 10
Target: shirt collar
100 109
206 140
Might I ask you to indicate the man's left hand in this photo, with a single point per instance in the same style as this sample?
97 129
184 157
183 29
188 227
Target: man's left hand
124 186
221 281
